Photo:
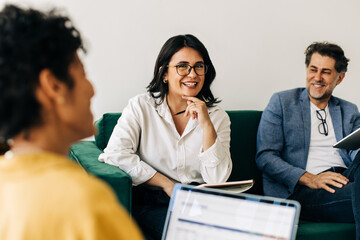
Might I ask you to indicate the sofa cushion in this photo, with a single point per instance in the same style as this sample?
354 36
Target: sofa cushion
105 127
325 231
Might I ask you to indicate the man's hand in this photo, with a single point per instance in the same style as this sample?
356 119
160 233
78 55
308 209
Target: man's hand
323 180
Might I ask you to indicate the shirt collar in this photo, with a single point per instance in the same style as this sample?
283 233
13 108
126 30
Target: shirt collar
162 108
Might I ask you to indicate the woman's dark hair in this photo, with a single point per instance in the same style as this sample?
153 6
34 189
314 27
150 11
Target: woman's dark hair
330 50
31 41
158 89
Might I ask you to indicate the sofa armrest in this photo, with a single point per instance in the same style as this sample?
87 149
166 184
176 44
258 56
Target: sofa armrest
86 154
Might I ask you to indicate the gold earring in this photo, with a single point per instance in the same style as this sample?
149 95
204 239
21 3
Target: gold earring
10 142
165 80
60 100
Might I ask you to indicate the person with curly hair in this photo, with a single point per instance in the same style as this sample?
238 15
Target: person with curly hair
45 101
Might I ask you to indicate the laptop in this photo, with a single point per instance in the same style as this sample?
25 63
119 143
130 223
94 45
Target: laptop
211 214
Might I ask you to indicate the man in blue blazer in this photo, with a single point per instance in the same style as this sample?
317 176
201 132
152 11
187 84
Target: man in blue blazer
295 137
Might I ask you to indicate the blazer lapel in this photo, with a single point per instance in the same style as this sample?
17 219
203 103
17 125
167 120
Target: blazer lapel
335 113
305 112
336 118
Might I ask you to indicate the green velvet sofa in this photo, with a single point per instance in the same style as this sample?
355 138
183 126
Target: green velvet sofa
244 126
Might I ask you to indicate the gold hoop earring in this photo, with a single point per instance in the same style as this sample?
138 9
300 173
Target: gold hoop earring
165 80
10 142
60 100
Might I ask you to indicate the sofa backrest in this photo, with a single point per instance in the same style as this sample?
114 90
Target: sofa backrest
244 125
105 126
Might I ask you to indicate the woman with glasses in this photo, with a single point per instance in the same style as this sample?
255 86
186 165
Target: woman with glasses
173 134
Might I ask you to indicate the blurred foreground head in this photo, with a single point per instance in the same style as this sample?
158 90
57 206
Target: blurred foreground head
42 79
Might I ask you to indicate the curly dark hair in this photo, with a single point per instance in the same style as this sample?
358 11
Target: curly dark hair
330 50
158 89
31 41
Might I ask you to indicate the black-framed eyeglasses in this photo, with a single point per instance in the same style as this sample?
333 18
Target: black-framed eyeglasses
185 69
323 127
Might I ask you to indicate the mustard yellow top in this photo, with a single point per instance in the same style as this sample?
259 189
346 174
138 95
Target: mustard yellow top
46 196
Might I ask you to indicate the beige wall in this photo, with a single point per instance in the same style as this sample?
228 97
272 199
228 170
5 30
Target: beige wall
257 46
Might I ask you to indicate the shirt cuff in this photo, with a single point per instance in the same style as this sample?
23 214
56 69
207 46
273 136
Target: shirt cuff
213 155
141 173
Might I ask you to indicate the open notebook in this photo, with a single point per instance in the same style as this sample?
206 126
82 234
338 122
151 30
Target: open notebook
211 214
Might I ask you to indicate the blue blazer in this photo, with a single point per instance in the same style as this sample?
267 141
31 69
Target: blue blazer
283 138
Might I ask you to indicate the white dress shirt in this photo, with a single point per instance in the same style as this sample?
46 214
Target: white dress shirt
145 141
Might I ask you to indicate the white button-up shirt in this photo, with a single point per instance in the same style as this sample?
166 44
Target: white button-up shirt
145 141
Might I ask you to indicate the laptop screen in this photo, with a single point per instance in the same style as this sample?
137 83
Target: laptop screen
213 214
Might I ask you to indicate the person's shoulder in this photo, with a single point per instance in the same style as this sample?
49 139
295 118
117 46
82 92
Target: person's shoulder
85 186
290 93
343 102
72 186
218 112
144 99
216 109
140 98
139 103
84 198
63 180
68 176
287 99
